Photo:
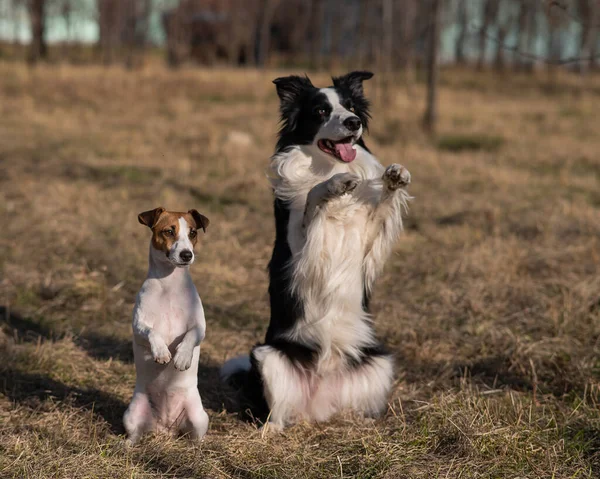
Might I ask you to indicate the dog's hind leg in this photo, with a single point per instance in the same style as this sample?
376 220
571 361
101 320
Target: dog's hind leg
196 423
285 388
138 418
320 194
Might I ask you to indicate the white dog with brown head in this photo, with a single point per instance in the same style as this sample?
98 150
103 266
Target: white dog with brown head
168 327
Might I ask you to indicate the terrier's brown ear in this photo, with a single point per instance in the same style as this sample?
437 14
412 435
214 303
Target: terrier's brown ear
201 220
149 218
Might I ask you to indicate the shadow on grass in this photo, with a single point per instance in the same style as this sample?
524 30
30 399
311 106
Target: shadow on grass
30 390
97 345
502 371
24 329
497 371
102 347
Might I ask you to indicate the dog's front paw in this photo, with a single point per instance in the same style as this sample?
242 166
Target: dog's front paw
342 183
160 352
396 176
183 358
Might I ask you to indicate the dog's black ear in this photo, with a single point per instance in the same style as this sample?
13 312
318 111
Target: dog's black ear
201 220
149 218
290 88
353 81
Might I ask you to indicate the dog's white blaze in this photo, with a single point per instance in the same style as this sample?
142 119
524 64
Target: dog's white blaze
334 99
334 128
183 242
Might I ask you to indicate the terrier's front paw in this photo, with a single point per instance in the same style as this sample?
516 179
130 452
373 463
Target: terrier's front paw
183 358
396 176
160 352
342 183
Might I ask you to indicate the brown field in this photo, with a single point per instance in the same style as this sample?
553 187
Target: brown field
491 300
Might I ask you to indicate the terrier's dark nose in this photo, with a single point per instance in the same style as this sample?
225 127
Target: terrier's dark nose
352 123
186 255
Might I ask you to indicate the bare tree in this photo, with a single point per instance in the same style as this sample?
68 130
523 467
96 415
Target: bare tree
589 13
430 117
336 30
490 11
109 25
362 39
387 39
523 30
316 32
37 17
505 20
264 38
406 13
462 20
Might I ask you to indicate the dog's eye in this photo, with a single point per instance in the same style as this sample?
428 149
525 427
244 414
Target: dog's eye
193 233
169 232
352 109
321 111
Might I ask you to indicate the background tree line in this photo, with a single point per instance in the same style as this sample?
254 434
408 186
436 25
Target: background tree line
388 36
316 34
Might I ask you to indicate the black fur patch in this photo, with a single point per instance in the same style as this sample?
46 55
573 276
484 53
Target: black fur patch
286 309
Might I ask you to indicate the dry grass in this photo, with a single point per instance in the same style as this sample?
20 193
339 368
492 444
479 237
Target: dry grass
491 300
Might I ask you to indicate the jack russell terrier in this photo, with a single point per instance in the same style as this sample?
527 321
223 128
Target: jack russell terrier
168 327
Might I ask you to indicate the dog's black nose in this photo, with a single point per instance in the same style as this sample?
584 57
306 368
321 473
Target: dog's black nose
186 255
352 123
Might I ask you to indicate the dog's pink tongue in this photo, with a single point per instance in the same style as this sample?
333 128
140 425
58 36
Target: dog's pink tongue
345 151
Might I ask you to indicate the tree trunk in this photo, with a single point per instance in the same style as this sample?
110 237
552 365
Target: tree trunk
489 14
362 38
532 29
37 15
430 117
523 31
387 47
336 34
503 29
264 41
406 13
316 42
588 10
459 47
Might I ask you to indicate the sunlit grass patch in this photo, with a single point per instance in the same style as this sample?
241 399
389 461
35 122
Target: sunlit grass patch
489 301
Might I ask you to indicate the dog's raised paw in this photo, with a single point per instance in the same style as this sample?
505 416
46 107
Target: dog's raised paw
160 353
183 359
342 183
396 176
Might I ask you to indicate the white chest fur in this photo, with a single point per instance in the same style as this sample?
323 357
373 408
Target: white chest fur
328 258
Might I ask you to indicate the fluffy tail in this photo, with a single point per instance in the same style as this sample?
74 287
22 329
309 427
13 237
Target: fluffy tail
242 374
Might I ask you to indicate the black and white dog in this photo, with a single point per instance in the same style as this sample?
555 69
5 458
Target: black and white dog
338 212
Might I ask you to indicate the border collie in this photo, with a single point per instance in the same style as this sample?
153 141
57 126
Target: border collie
338 212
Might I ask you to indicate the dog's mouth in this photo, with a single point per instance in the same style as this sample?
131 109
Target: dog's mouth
344 149
177 263
181 264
